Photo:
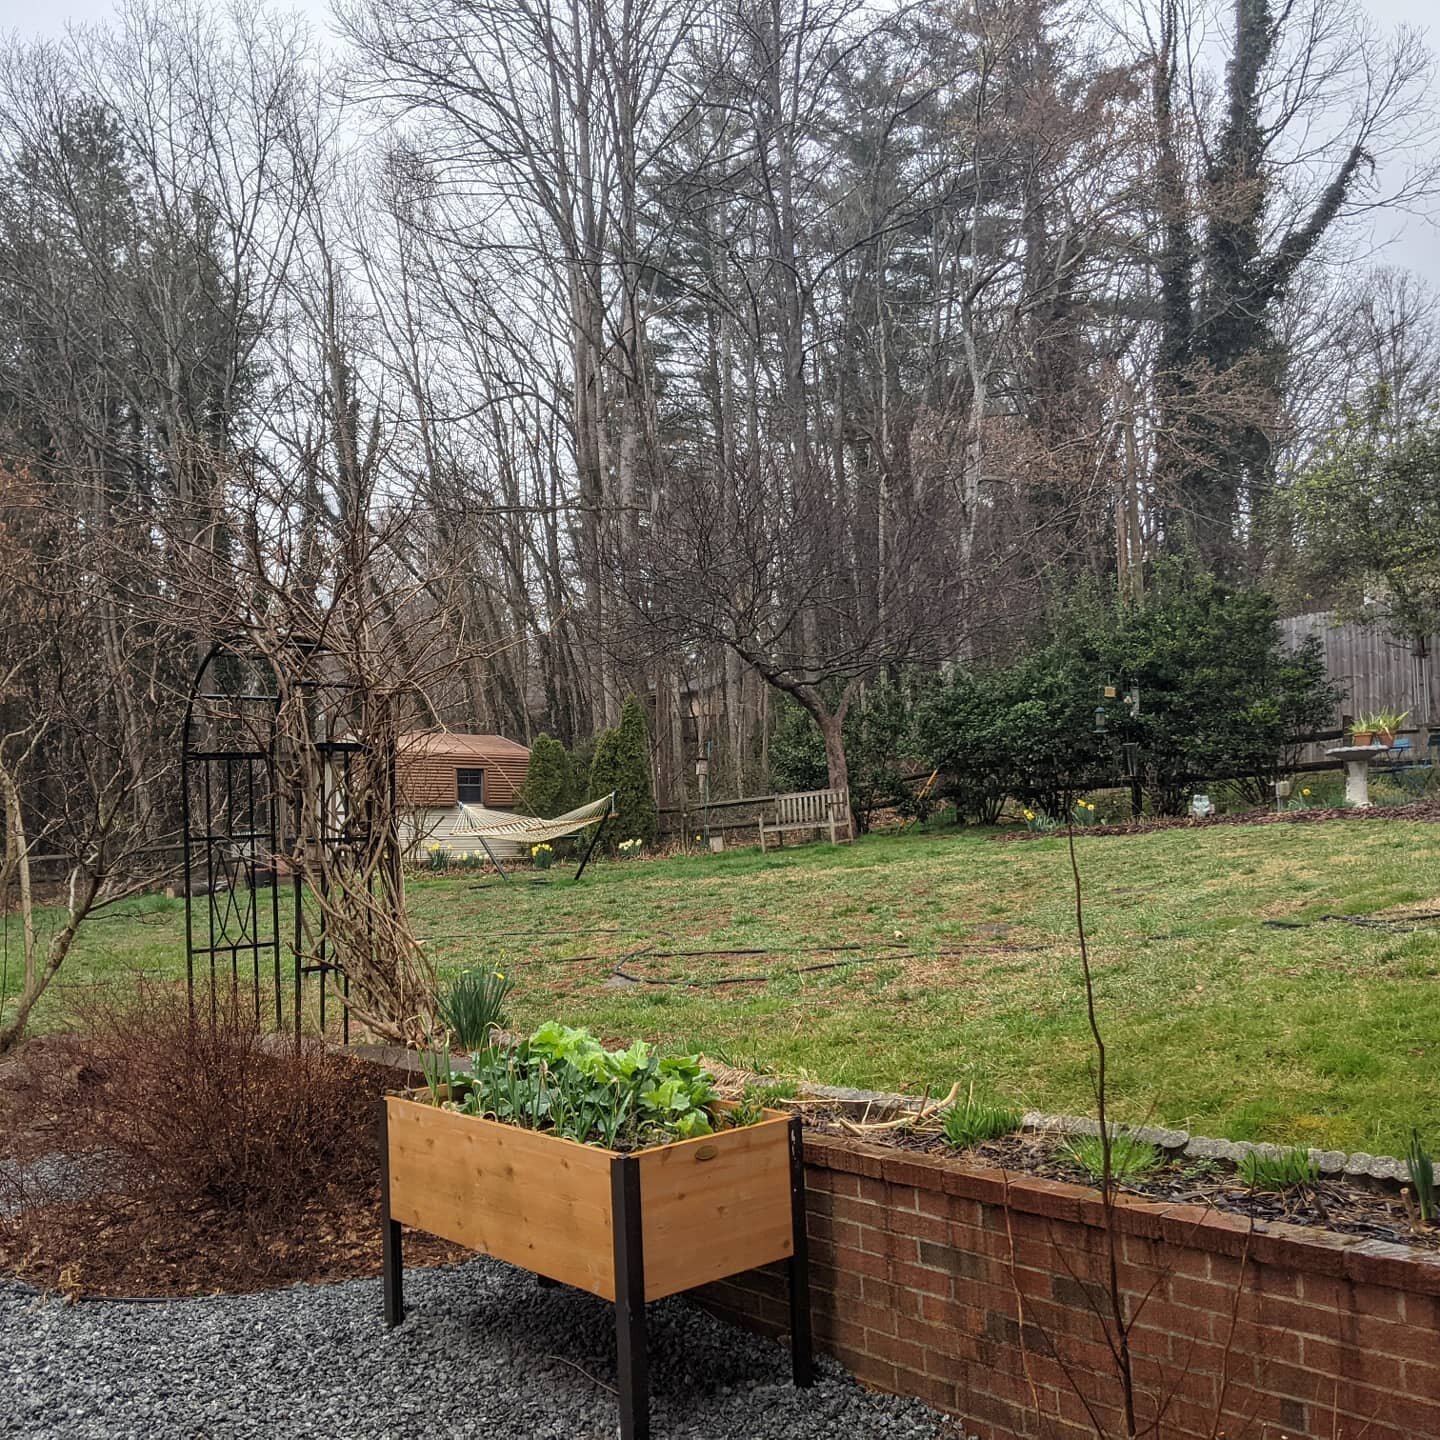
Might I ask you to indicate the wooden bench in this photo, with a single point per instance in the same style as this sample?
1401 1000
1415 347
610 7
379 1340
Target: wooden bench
808 810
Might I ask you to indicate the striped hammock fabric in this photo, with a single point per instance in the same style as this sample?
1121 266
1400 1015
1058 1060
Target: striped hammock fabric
528 829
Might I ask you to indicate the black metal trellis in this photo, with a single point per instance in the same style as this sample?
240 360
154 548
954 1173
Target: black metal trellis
231 830
340 830
237 829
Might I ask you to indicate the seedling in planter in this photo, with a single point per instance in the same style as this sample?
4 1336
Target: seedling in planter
1201 1170
971 1121
435 1066
1422 1177
1129 1158
1289 1170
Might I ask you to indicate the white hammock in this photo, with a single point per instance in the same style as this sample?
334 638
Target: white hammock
487 824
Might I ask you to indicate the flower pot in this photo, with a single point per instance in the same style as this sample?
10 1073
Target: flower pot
626 1227
1361 737
1385 738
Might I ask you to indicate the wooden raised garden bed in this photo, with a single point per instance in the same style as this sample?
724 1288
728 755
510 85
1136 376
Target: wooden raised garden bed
626 1227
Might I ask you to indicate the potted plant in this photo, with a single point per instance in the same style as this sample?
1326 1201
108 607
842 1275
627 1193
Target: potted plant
1362 731
1386 724
619 1172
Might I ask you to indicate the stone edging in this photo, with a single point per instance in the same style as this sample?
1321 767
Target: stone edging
1356 1166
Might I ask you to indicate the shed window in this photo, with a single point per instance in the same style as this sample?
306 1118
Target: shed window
470 787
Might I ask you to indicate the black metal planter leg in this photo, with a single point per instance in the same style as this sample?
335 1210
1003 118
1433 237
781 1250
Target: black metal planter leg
802 1356
630 1341
391 1255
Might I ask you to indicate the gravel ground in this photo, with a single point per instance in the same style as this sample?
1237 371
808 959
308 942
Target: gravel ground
484 1351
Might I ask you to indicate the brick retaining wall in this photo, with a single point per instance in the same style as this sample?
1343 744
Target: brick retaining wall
980 1293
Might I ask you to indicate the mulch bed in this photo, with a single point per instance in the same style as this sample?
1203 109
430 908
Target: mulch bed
98 1247
1341 1206
62 1231
1148 824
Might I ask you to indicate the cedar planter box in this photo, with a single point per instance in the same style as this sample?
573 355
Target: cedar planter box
626 1227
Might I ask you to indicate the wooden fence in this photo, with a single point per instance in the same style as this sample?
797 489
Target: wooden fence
1377 670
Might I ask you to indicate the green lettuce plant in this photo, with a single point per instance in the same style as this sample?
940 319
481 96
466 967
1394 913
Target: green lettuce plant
564 1081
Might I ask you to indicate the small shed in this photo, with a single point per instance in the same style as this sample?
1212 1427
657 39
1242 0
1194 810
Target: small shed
438 772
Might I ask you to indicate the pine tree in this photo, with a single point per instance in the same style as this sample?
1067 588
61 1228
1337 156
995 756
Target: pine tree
622 764
549 781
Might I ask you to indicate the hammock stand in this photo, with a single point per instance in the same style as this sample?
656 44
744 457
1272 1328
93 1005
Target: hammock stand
486 825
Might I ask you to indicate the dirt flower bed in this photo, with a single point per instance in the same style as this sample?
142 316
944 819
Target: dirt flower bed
1343 1206
1147 824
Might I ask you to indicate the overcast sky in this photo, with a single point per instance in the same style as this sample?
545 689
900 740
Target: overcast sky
1410 240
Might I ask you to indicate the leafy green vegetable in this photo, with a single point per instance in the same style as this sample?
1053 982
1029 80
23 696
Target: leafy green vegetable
564 1081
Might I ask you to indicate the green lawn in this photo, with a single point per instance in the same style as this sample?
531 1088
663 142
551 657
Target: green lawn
1326 1035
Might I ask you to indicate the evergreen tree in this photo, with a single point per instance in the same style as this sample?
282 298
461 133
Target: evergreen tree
622 764
549 781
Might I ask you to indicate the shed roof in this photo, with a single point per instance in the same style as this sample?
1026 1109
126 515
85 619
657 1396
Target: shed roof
441 744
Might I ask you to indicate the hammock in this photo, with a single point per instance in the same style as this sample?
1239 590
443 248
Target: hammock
487 824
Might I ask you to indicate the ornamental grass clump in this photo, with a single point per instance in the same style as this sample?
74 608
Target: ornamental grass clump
1289 1170
1129 1158
973 1120
563 1081
472 1007
1421 1169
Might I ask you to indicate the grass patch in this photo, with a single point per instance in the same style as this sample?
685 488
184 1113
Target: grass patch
959 959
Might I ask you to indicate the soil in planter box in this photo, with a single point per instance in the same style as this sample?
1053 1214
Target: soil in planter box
1343 1206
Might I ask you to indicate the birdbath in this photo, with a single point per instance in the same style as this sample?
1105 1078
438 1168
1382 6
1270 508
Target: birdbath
1357 759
